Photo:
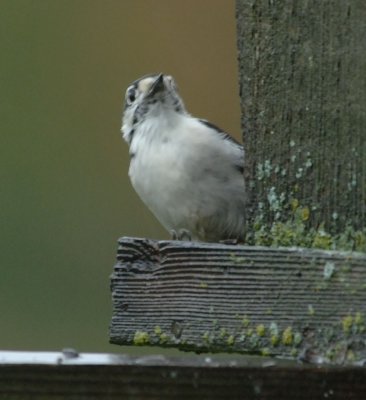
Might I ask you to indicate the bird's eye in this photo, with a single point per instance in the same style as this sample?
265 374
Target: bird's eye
131 95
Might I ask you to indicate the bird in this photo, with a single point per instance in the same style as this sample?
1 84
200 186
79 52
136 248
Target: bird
186 170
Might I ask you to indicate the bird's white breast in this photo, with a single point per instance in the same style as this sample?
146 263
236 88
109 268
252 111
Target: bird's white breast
157 170
184 172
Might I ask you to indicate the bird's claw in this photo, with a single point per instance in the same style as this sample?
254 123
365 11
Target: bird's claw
181 234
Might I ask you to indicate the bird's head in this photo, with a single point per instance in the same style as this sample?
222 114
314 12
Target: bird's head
149 97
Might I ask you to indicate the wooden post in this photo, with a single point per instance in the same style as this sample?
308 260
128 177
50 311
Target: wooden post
304 303
303 95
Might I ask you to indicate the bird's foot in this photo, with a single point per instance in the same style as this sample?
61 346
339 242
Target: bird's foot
181 234
173 234
232 241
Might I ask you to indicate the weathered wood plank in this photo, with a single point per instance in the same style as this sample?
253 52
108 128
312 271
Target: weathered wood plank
303 94
211 297
112 376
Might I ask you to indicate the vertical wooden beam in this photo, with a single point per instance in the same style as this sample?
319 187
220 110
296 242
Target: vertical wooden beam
303 95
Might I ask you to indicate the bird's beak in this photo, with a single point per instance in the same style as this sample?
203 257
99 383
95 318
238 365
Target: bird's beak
157 86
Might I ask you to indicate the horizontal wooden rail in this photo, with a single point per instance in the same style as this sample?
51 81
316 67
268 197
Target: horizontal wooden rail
304 303
57 376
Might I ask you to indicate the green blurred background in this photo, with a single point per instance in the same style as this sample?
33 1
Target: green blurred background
65 195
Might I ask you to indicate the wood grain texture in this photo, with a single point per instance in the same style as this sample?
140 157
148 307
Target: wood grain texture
210 297
160 378
303 95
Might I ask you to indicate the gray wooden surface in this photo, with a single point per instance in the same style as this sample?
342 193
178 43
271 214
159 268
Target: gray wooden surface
41 376
308 304
303 93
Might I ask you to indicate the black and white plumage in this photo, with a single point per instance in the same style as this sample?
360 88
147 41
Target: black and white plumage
187 171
